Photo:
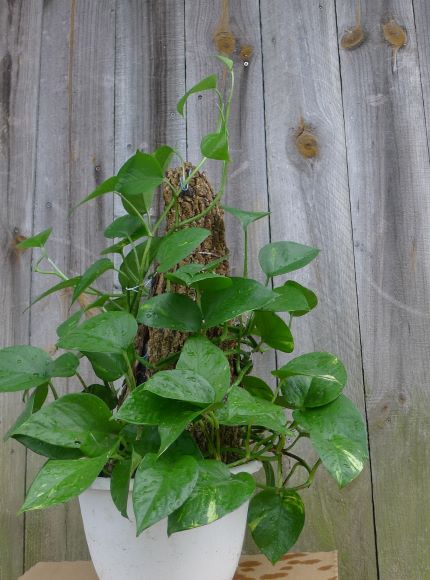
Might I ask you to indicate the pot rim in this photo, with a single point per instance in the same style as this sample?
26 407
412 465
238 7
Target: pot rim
103 483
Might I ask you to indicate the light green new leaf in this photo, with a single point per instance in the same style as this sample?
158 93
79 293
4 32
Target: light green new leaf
339 437
312 380
59 481
37 241
206 84
181 385
216 494
245 217
200 355
179 245
293 298
23 367
94 271
282 257
109 332
174 311
276 518
215 146
161 486
273 330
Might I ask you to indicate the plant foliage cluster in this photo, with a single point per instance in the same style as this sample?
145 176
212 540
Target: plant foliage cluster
146 438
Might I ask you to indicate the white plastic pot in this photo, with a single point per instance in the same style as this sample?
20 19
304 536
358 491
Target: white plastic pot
211 552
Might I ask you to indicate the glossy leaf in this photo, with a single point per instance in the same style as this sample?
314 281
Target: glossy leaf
139 177
107 366
64 366
37 241
129 271
273 330
293 298
108 186
200 355
181 385
125 226
215 146
312 380
160 487
171 417
48 450
206 84
163 155
242 408
76 421
179 245
69 323
257 388
143 438
174 311
245 217
276 518
216 494
109 332
33 404
282 257
23 367
242 296
339 437
59 481
120 484
94 271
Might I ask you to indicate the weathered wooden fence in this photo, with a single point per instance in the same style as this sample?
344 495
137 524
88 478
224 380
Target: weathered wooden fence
86 82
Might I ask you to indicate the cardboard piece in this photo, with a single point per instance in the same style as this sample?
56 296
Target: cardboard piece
298 566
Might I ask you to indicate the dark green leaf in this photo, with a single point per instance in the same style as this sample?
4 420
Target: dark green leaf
76 421
163 155
64 366
59 481
210 282
37 241
107 366
94 271
106 187
242 408
104 393
184 445
181 385
293 298
216 494
23 367
171 417
242 296
126 226
68 324
48 450
200 355
174 311
129 271
143 438
215 146
109 332
257 388
312 380
120 484
160 487
282 257
179 245
138 178
269 473
273 330
276 518
246 217
339 437
33 404
206 84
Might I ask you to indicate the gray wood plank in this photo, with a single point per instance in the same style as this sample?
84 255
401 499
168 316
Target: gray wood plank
421 10
389 177
20 32
309 199
75 153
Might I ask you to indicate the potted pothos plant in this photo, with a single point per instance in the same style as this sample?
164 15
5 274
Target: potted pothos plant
165 437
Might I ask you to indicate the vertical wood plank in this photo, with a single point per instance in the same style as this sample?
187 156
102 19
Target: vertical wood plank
20 32
309 198
75 153
421 10
389 177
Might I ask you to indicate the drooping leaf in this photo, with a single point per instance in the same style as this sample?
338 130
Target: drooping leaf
281 257
179 245
293 298
225 60
181 385
23 367
206 84
33 404
276 518
242 296
139 177
37 241
161 486
312 380
59 481
109 332
339 437
76 421
89 276
129 272
200 355
242 408
174 311
257 388
245 217
273 330
64 366
70 283
126 226
120 484
215 146
108 186
163 155
216 494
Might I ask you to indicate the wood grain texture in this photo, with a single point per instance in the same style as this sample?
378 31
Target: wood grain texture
20 32
389 177
311 201
75 153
